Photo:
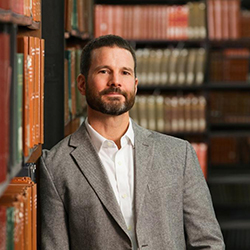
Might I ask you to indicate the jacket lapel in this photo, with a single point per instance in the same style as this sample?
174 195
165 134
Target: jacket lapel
90 165
144 151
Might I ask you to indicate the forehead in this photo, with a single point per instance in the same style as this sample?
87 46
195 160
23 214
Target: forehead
112 54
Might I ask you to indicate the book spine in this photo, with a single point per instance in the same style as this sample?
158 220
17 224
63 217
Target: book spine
19 141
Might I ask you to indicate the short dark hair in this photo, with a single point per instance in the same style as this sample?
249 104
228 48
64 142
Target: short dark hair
103 41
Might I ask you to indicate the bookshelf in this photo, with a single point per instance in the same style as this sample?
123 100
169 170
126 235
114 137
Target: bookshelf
226 44
22 81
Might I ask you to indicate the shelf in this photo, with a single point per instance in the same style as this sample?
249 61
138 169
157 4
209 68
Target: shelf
164 43
159 88
33 157
229 179
243 42
227 85
76 34
230 127
229 132
10 17
169 2
229 174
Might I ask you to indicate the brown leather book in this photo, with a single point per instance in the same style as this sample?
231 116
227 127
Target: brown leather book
23 47
27 182
19 198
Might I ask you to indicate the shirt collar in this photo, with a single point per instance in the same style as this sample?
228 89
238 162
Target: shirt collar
98 140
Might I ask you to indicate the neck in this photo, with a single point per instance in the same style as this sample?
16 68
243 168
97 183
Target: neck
110 127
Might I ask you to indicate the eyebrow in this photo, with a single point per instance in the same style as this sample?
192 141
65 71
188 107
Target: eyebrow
107 67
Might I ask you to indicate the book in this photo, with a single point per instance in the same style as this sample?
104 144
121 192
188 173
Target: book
201 151
5 79
3 231
200 66
19 127
32 72
191 67
145 22
142 111
42 63
211 19
151 112
23 47
37 91
159 102
182 65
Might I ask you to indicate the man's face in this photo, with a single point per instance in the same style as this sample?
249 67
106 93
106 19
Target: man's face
111 85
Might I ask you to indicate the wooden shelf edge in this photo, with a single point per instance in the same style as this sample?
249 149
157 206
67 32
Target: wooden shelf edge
77 34
34 155
6 16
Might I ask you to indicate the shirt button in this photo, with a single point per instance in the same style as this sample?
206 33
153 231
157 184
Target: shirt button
129 228
124 196
119 163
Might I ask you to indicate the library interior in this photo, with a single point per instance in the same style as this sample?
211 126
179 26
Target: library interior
194 83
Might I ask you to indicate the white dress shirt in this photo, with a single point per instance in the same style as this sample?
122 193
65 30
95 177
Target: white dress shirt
119 166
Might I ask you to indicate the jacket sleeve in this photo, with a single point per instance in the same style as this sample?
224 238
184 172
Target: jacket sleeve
201 226
54 227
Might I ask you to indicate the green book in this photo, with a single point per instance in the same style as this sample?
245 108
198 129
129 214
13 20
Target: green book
74 16
10 228
68 57
19 141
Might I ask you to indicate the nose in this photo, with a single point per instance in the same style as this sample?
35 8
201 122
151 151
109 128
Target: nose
115 80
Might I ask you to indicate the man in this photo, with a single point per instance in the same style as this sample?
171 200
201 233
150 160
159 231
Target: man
113 185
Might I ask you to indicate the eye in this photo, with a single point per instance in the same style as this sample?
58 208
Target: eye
126 72
103 71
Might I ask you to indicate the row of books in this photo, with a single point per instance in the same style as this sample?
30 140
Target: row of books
78 16
29 8
74 102
21 113
171 66
157 22
170 114
230 107
18 215
223 19
33 50
201 151
230 65
230 150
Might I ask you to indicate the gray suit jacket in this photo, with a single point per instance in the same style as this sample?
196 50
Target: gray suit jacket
173 208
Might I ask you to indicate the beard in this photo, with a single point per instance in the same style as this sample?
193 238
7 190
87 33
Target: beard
112 106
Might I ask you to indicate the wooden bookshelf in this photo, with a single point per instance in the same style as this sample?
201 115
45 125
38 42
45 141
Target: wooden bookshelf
15 25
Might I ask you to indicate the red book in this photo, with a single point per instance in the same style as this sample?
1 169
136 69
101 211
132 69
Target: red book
3 233
211 19
4 103
218 19
98 14
234 24
225 19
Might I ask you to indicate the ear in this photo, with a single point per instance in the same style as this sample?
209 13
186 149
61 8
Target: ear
136 85
81 84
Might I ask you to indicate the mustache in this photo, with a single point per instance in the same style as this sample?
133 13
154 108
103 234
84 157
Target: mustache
113 90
